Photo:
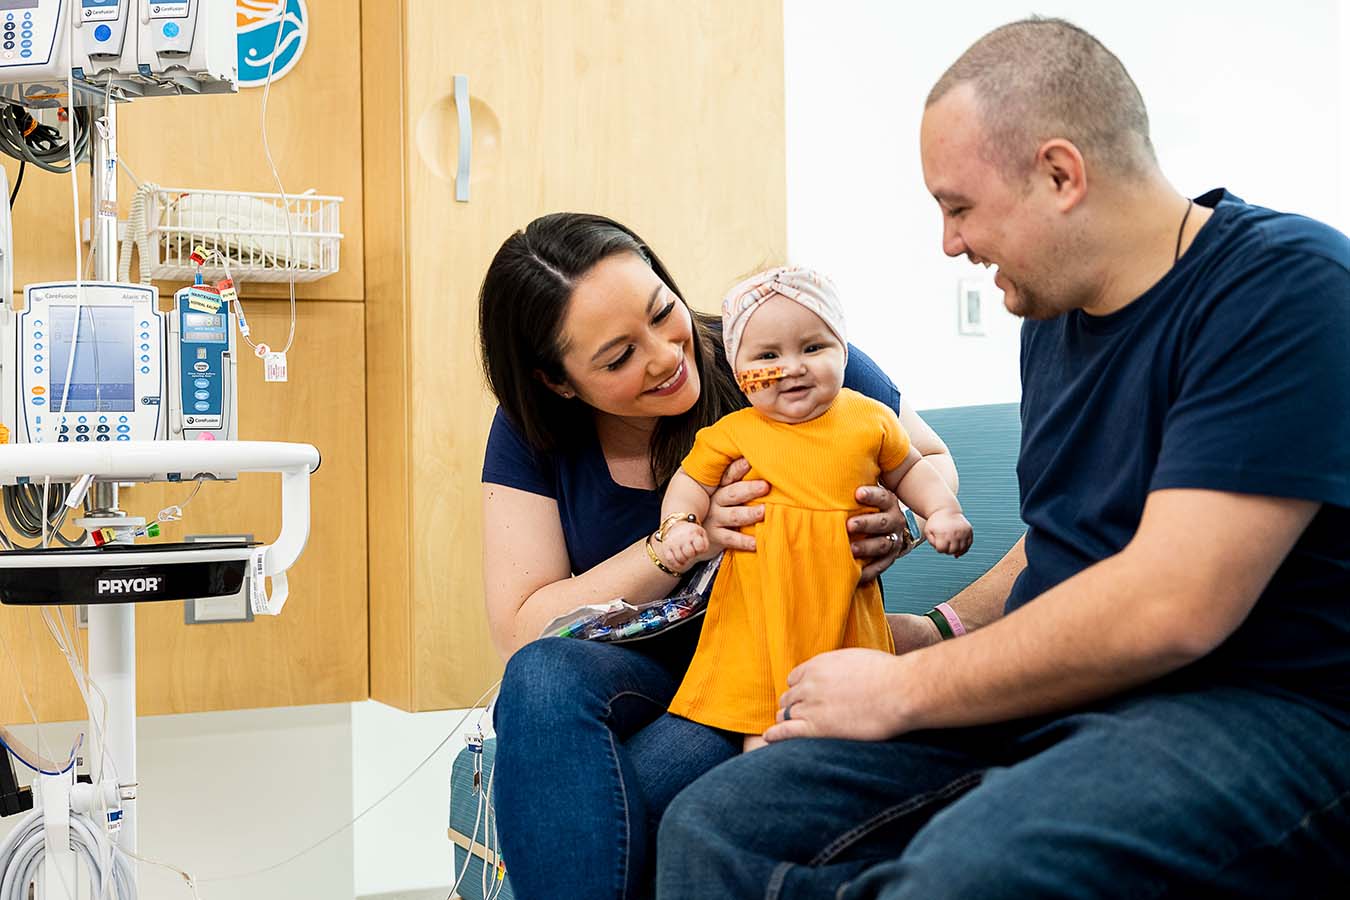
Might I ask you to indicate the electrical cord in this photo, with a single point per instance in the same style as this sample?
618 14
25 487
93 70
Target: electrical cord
18 183
23 509
23 850
28 140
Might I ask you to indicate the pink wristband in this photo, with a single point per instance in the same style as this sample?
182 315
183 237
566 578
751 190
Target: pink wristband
952 619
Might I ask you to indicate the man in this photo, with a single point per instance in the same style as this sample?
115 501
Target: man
1153 697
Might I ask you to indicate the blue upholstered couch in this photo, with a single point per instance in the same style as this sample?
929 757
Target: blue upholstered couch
984 442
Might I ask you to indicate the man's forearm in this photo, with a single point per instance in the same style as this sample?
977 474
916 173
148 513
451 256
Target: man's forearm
1068 647
982 601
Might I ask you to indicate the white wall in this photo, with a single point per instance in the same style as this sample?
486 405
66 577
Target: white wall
1248 95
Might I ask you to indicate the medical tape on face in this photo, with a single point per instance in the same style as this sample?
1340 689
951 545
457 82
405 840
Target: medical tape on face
751 380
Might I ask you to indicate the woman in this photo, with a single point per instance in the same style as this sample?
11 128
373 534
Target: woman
603 375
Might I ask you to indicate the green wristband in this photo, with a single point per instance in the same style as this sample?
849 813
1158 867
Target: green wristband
943 626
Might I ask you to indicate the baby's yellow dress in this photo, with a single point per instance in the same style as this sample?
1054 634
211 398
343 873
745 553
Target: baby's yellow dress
798 594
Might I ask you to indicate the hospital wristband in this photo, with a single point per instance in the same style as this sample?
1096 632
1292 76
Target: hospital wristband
947 621
952 618
943 626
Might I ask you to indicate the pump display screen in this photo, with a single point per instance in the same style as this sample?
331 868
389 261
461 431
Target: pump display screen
103 377
93 4
204 328
18 4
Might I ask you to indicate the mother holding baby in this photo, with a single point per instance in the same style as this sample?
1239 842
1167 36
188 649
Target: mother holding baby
603 376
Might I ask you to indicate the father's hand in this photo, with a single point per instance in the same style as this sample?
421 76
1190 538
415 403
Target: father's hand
728 511
841 694
879 538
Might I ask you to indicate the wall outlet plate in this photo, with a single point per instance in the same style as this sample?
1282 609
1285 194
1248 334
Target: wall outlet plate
234 608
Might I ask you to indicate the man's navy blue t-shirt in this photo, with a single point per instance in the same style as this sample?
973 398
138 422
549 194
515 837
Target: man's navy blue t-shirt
1232 373
600 517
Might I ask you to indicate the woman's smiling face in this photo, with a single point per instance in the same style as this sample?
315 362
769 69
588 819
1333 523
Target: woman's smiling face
628 342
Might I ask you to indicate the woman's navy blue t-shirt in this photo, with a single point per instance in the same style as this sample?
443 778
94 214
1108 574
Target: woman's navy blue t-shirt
599 517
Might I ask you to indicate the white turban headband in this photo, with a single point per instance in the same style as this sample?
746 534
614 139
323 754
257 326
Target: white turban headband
806 286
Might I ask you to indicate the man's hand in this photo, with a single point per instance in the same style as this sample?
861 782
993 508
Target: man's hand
876 537
841 694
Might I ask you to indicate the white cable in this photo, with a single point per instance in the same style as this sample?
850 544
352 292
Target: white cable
187 879
32 713
138 234
37 682
23 850
79 275
473 836
276 176
328 837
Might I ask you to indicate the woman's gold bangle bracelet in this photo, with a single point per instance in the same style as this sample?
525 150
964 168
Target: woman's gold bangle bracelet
656 560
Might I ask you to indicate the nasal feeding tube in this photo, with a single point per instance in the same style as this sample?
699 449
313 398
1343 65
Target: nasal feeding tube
752 380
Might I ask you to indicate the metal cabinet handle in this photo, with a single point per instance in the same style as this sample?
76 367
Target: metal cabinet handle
465 137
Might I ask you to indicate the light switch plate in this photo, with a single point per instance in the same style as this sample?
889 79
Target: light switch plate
970 297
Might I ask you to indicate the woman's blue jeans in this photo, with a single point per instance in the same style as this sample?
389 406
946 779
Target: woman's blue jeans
588 759
1184 792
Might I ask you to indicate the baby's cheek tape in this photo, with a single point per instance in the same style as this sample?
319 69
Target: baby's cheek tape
751 380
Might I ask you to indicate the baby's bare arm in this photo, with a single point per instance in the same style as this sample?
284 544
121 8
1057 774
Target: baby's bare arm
920 486
685 495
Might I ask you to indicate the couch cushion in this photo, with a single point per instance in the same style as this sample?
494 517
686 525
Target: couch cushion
984 442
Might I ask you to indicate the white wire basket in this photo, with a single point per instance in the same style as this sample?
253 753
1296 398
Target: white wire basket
247 229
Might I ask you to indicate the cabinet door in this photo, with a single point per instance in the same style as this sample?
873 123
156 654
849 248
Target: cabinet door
665 116
315 651
214 143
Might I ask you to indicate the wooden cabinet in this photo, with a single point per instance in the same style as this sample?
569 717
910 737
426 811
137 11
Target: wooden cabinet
316 651
665 116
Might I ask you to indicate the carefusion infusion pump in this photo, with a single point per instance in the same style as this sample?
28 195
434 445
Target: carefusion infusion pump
109 367
135 48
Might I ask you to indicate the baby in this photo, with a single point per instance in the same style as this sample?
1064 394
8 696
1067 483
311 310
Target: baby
814 442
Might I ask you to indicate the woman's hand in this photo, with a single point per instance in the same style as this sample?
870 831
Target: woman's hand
879 538
729 511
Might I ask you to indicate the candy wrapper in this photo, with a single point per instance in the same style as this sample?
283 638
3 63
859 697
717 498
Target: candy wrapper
618 620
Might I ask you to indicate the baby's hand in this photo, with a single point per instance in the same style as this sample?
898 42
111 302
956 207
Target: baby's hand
949 532
684 545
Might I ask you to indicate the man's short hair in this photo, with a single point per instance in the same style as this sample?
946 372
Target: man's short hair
1040 78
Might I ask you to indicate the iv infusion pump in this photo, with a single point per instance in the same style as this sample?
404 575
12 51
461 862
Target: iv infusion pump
138 374
140 47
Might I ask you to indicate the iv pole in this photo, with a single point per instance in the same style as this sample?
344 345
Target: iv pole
112 627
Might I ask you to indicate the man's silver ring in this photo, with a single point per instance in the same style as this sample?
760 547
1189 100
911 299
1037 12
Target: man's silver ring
893 538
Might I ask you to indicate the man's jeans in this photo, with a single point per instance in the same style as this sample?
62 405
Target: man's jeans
1181 792
588 759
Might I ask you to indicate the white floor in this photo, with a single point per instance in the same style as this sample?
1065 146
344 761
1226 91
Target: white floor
227 794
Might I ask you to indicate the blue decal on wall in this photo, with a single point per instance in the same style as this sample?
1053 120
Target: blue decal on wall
258 22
